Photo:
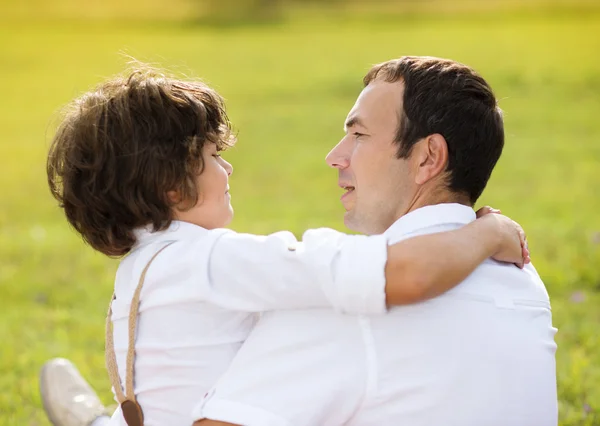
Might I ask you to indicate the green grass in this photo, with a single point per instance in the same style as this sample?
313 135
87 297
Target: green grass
289 88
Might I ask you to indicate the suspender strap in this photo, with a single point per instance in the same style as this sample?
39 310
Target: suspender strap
132 411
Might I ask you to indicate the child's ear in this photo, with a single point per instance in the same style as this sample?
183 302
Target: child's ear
174 197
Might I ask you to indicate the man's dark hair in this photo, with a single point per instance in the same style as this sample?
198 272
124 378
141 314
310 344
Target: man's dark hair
445 97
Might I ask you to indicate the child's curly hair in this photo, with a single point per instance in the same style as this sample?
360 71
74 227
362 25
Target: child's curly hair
122 147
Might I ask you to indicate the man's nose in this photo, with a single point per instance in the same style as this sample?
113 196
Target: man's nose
339 156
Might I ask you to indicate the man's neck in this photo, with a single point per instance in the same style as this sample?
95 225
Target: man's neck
435 197
421 199
430 216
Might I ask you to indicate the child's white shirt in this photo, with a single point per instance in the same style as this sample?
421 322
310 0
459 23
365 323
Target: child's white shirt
202 296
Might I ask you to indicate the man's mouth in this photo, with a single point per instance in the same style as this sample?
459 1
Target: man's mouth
348 190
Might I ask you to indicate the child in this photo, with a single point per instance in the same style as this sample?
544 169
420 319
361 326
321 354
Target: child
136 167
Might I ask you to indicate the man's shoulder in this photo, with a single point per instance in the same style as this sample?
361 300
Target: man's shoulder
506 282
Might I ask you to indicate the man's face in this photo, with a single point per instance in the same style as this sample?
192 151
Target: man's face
378 186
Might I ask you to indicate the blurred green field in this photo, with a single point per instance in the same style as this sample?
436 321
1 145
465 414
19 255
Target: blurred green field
289 86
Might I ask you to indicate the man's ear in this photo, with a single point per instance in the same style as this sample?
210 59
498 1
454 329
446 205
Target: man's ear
431 158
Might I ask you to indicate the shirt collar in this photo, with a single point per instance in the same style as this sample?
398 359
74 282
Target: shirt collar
176 230
428 216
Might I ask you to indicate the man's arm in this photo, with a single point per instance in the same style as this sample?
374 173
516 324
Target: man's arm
302 368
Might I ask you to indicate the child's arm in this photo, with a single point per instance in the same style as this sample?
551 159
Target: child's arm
351 273
427 266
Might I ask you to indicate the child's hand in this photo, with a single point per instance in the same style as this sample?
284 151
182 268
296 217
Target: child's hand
512 246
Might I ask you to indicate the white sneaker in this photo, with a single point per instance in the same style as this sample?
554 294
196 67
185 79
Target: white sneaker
68 399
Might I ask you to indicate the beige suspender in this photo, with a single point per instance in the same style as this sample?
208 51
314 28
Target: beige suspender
132 412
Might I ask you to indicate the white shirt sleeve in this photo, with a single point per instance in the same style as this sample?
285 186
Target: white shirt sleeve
297 368
326 269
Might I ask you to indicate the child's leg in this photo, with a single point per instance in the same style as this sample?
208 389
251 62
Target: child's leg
68 399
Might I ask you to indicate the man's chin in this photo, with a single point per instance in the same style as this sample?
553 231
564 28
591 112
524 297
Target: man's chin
354 224
349 221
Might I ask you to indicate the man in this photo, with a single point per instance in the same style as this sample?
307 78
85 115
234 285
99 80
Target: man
420 145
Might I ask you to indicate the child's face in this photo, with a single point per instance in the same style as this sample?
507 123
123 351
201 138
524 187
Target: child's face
213 209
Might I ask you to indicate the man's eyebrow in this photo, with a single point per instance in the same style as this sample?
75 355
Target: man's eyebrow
354 121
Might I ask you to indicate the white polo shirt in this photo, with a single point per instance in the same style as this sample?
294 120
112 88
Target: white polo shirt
482 354
201 294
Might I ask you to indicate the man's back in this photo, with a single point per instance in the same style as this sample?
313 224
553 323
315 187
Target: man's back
481 355
466 359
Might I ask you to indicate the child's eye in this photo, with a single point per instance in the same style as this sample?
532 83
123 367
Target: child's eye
217 155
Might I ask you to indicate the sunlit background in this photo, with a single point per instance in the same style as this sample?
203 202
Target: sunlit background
290 72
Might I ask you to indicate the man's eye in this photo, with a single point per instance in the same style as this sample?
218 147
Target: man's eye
357 134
